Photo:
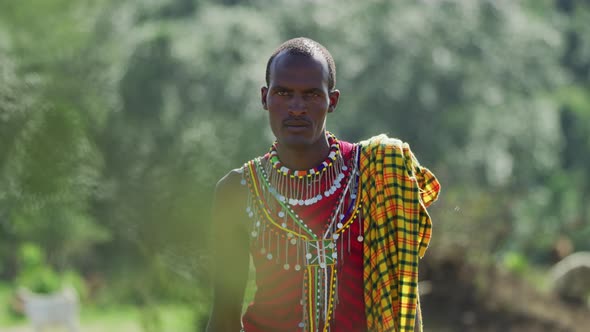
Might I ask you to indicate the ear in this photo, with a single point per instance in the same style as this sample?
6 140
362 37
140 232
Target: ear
263 95
334 96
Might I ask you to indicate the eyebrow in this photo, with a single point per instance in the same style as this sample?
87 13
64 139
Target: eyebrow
282 88
316 90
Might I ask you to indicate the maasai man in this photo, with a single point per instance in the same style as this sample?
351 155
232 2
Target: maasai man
334 229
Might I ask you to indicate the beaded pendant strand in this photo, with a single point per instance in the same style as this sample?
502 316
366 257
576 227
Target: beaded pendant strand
273 189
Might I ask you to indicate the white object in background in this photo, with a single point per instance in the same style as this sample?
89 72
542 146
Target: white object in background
45 310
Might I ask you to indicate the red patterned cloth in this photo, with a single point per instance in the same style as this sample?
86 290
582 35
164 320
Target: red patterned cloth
276 305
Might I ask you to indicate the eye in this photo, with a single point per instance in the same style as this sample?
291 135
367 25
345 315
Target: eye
282 93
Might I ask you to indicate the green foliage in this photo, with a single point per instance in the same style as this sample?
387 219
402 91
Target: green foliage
39 277
515 262
35 274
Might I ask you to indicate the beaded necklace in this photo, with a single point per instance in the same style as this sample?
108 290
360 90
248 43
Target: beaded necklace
273 219
303 187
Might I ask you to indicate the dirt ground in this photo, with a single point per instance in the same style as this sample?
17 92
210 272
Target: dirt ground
458 296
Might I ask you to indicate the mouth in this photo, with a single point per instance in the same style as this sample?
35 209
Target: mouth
296 124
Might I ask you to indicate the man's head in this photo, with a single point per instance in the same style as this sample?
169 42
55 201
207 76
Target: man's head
300 77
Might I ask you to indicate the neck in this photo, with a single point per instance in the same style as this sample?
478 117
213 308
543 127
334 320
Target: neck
302 158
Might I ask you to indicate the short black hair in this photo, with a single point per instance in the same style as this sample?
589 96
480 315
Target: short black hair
306 47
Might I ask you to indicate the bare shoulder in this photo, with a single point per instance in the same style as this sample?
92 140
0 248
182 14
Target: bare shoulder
231 194
231 185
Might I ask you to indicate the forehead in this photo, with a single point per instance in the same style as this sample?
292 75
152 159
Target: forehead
299 70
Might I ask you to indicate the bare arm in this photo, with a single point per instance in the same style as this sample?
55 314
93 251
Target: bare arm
230 256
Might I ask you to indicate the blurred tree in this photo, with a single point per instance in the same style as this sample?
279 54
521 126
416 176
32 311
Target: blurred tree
573 184
47 165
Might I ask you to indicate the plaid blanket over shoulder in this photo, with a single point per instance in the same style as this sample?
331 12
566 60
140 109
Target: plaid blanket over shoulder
395 191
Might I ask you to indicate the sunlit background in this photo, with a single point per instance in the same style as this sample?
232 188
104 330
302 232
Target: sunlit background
117 117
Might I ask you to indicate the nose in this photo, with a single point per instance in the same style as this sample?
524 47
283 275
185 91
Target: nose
297 105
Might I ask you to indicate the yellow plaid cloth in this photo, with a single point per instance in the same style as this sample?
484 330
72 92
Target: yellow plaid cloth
395 191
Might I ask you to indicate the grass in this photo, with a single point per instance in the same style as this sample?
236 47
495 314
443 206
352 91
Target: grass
6 317
174 318
114 318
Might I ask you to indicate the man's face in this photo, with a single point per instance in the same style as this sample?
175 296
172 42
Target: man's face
298 99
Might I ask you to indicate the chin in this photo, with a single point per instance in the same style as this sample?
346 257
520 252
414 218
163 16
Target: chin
298 138
295 141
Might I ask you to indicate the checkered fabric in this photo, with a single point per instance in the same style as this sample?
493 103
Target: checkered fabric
395 191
